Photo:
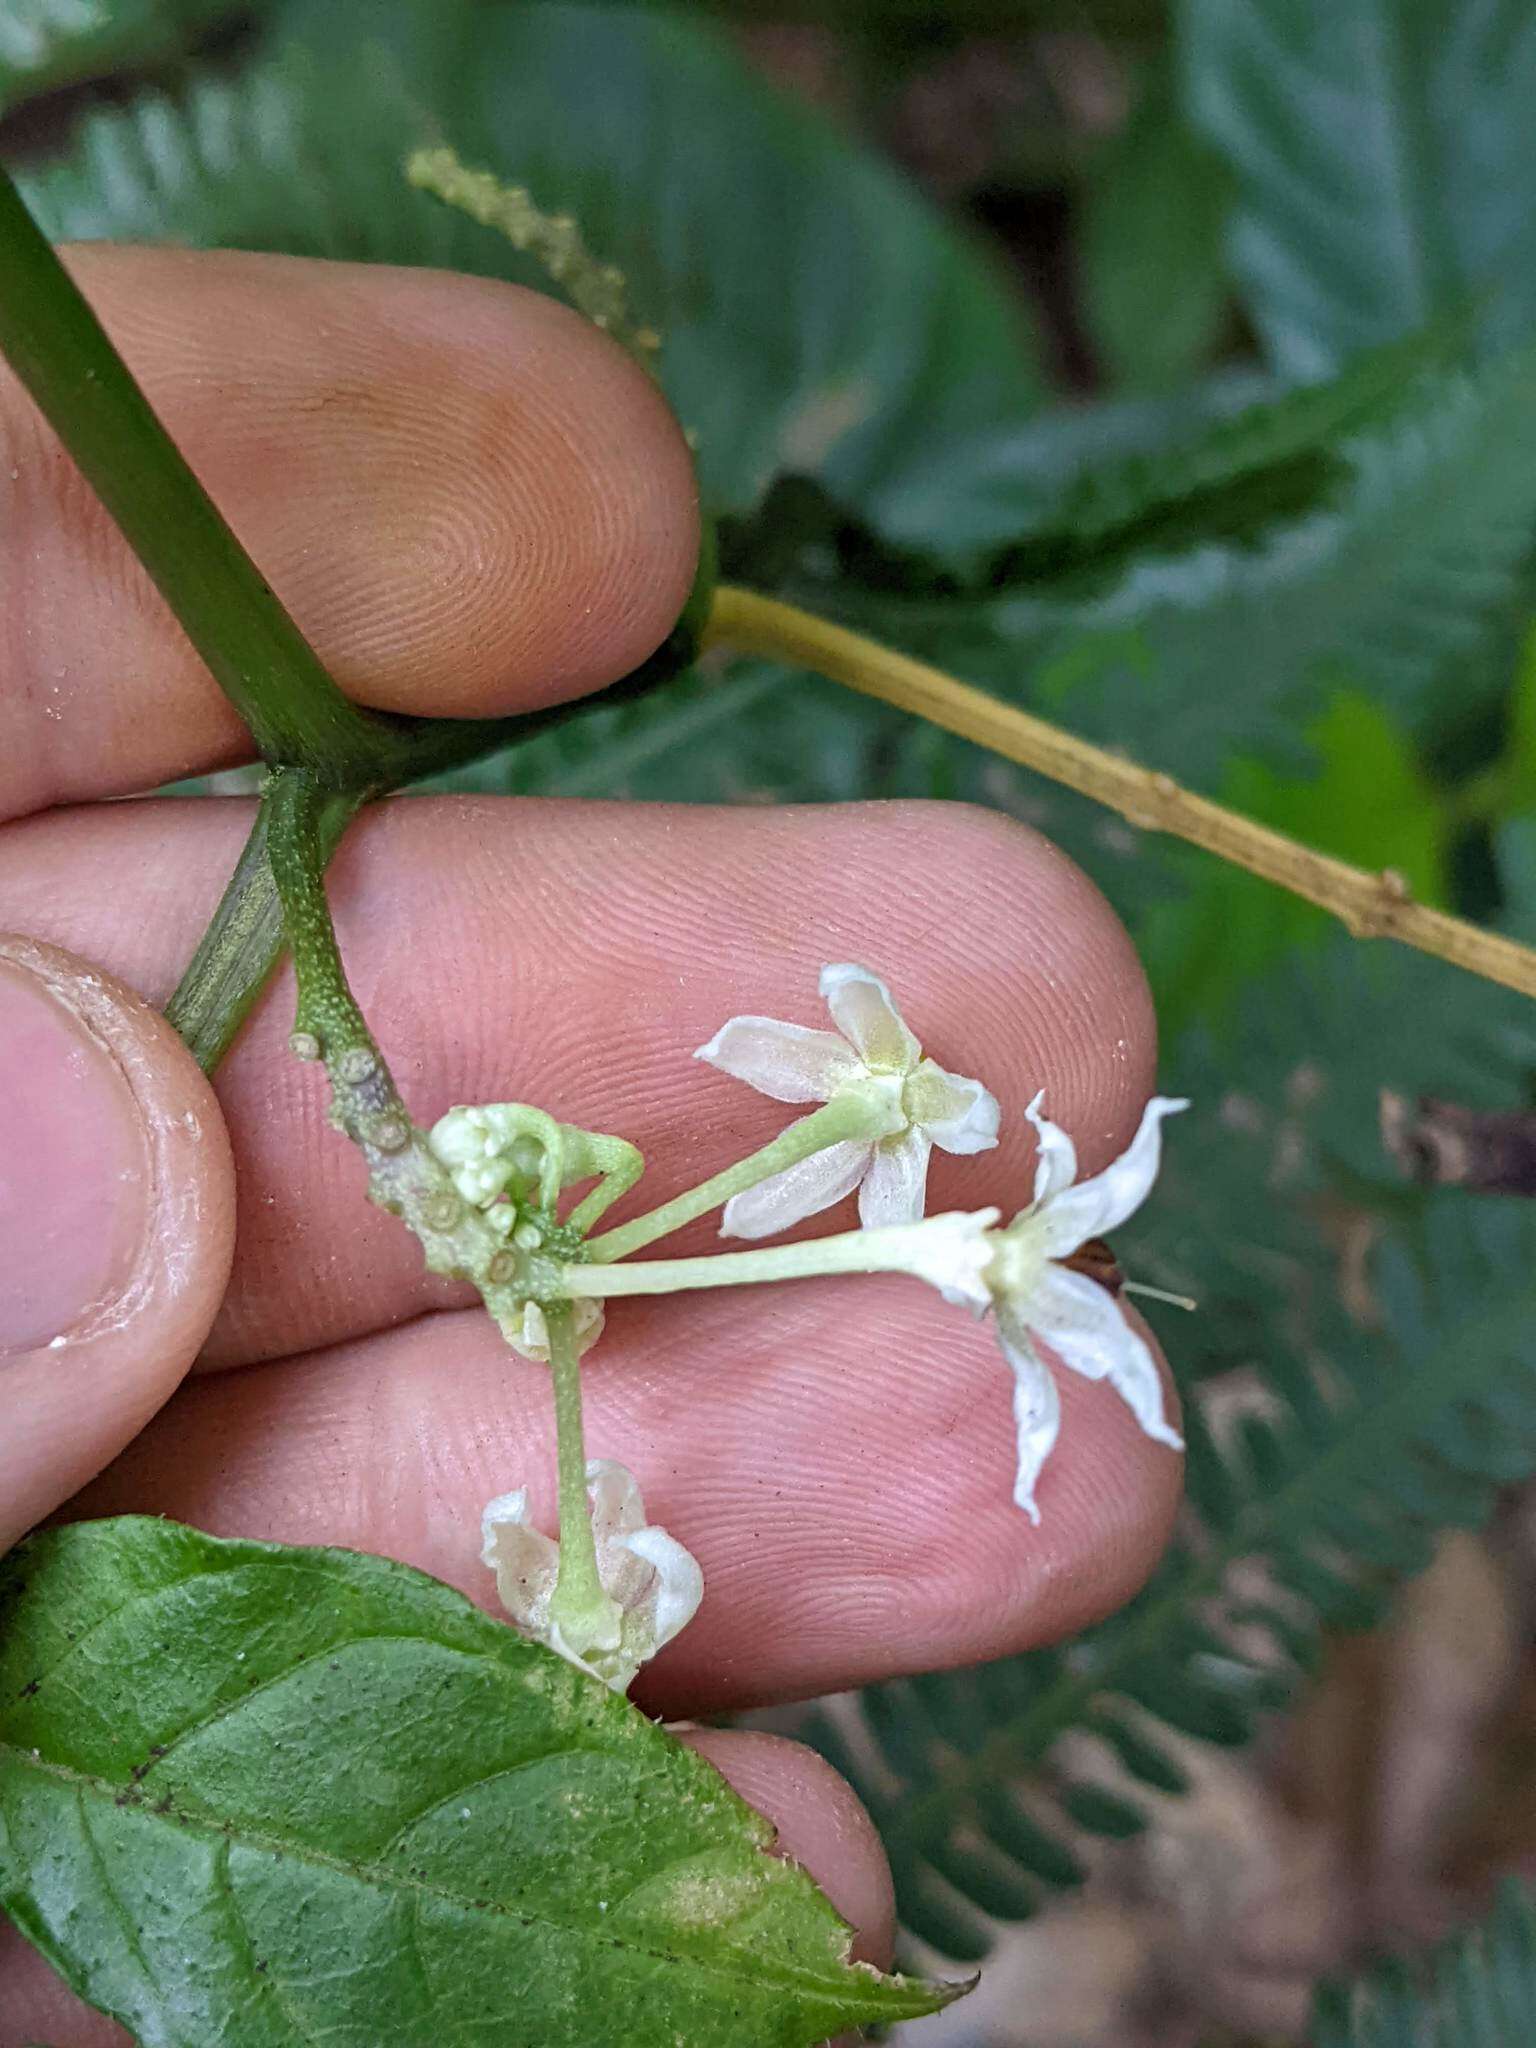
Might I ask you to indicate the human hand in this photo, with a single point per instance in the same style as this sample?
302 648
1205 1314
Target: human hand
473 503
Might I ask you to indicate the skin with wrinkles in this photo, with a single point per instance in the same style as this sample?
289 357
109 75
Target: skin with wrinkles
474 503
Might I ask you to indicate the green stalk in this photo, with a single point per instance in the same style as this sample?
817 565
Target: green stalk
258 656
241 946
848 1116
238 952
579 1604
327 1011
926 1250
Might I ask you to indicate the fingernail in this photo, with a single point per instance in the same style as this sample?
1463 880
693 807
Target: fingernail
75 1178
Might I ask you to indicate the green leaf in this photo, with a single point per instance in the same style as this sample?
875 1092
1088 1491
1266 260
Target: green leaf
1155 285
815 312
1385 160
49 43
1249 475
1517 766
267 1796
1477 1990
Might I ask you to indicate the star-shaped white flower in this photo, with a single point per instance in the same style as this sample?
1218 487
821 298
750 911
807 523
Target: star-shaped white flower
1039 1300
655 1584
877 1056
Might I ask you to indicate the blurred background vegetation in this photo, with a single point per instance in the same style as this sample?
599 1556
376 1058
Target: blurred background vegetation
1169 369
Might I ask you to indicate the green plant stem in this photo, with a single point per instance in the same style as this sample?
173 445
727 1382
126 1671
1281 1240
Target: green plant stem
327 1011
260 659
578 1597
238 951
847 1117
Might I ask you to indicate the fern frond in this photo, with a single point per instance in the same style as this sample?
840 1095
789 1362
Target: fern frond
1477 1990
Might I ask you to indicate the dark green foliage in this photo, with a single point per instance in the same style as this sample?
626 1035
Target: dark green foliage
1241 483
1384 157
1477 1990
263 1795
1153 272
1397 549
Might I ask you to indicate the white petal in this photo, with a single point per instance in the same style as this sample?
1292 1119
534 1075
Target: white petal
524 1560
862 1009
894 1188
1036 1408
1083 1324
802 1190
957 1113
526 1329
678 1583
790 1062
1055 1155
1095 1207
613 1493
618 1515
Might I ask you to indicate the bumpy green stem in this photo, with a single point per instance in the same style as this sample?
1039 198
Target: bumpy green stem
849 1117
237 952
404 1175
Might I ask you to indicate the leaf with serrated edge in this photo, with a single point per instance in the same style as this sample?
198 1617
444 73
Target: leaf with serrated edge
262 1795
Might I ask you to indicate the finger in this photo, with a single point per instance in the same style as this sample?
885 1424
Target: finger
819 1819
838 1455
470 500
572 956
116 1222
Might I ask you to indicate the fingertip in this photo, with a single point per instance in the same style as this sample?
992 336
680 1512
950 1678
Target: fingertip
535 505
821 1823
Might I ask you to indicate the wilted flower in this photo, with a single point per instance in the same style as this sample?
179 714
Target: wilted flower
653 1584
1038 1299
877 1058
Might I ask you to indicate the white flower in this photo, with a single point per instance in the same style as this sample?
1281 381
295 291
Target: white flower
877 1057
1040 1300
654 1583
